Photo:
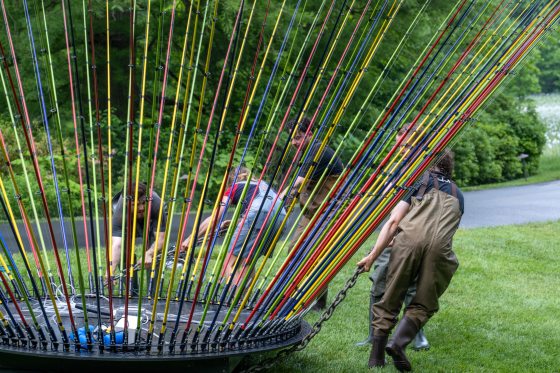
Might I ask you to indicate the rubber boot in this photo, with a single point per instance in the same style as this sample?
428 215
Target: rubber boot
377 355
420 341
406 331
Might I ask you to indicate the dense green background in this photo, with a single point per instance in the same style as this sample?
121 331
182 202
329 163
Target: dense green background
487 152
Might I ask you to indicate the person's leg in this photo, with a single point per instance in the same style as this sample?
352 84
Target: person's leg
379 278
436 270
403 266
435 275
420 341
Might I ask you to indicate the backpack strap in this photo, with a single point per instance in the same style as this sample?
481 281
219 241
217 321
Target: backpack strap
453 189
436 182
423 185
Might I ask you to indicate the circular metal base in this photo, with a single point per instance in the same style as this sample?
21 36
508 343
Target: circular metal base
215 355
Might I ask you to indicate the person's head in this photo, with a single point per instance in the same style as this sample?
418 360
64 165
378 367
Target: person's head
142 194
299 137
242 174
445 161
402 132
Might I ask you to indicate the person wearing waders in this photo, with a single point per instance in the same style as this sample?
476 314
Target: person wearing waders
315 189
422 226
378 276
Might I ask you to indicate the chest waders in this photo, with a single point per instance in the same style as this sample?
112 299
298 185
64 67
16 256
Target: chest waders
423 248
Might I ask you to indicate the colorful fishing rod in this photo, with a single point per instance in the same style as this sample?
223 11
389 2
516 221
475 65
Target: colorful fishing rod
106 195
295 94
45 120
349 71
8 267
94 210
33 241
128 202
290 257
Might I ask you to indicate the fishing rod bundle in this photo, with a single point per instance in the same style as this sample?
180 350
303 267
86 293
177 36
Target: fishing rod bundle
156 194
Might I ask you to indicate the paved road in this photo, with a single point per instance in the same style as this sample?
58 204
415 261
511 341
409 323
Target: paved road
512 205
504 206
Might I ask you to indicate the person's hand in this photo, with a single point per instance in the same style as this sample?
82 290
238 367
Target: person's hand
185 245
225 225
366 263
148 258
106 282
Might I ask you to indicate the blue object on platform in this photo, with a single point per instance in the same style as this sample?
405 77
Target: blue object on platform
119 338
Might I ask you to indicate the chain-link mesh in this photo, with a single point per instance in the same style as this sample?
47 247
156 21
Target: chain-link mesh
327 314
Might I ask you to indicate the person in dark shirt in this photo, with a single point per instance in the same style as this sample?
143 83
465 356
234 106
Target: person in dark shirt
313 186
422 226
378 276
117 226
264 202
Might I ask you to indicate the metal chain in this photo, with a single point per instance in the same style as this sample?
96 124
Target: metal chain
327 314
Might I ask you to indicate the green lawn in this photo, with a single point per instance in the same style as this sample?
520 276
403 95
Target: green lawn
500 313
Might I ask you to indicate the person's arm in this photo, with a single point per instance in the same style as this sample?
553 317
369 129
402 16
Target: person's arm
386 235
204 225
116 257
150 252
297 184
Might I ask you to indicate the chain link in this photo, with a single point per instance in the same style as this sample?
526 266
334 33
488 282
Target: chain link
327 314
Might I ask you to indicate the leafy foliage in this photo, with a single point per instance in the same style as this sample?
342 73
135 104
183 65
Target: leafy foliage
487 152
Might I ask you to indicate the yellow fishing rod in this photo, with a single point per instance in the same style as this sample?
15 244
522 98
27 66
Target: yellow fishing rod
163 193
144 59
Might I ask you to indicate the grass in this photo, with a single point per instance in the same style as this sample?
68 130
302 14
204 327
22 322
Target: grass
500 313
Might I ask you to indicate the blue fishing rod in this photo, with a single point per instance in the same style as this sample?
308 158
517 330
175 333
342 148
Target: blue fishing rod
14 269
48 134
20 338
